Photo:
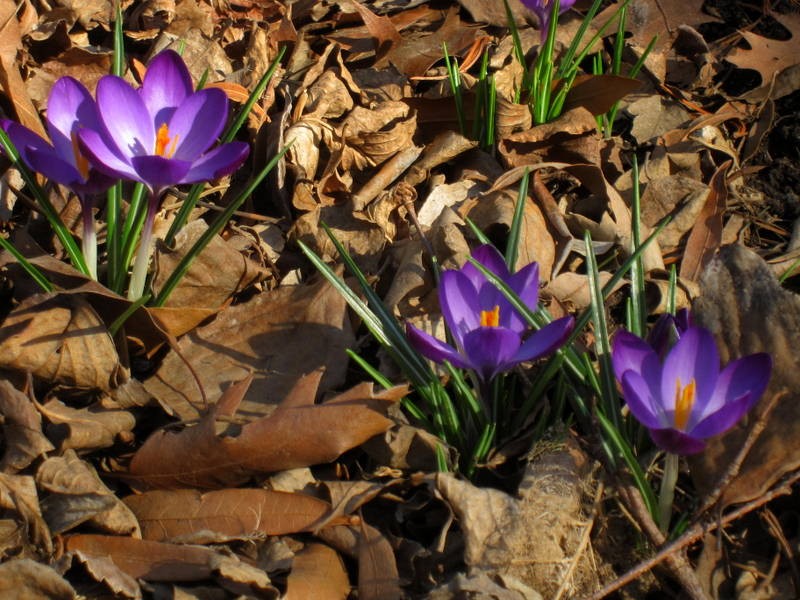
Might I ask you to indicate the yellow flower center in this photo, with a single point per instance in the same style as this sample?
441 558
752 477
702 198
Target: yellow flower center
80 160
165 146
490 318
684 401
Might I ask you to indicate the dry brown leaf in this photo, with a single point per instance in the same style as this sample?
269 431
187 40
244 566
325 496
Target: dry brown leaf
378 578
104 570
706 235
317 572
383 31
373 135
217 273
22 429
769 57
274 346
60 339
152 561
598 93
19 498
25 579
749 311
75 494
298 433
415 55
571 138
222 515
680 197
10 77
88 428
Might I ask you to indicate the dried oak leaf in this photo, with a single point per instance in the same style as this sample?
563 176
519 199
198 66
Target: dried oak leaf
769 57
11 81
60 339
75 494
317 572
278 335
23 578
88 428
153 561
18 497
223 515
22 430
217 273
298 433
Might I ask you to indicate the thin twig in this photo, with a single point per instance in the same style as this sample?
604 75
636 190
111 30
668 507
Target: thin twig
736 464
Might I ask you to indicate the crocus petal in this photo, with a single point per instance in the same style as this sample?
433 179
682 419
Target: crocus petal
643 405
159 172
676 442
546 340
631 353
23 138
725 418
166 84
491 350
217 163
490 258
197 123
458 299
694 356
69 106
104 158
126 119
739 387
51 165
434 349
525 284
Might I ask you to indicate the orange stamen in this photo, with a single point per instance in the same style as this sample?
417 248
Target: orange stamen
684 401
165 146
490 318
80 160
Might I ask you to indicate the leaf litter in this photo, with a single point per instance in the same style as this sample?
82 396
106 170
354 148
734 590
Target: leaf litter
160 456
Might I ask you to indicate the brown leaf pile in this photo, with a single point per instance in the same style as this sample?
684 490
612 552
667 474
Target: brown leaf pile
224 445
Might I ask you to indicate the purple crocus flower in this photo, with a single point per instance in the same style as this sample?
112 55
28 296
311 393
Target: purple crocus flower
162 133
543 9
686 399
488 332
70 110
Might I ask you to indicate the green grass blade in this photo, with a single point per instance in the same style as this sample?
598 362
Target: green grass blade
371 371
515 232
638 302
28 266
608 389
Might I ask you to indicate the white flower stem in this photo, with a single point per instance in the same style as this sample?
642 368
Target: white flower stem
667 494
142 260
89 239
